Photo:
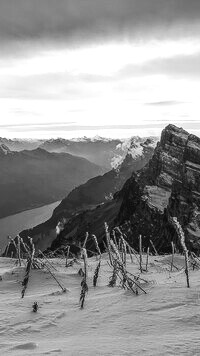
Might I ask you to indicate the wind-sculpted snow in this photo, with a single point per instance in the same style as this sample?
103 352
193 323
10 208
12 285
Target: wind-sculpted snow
165 321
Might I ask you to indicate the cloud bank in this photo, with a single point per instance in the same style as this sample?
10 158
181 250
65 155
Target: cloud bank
83 19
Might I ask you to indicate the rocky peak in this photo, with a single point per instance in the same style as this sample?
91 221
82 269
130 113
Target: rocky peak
4 150
134 149
168 185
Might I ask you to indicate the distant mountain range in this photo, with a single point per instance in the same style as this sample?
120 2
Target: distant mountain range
99 151
33 178
104 152
20 144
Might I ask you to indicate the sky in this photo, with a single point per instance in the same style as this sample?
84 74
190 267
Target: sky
114 68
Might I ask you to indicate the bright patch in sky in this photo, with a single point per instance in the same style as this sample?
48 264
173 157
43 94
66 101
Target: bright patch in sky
96 60
115 89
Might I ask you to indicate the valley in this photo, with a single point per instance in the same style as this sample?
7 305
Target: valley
32 178
13 224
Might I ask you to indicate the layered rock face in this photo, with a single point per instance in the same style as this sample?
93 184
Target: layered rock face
168 186
4 150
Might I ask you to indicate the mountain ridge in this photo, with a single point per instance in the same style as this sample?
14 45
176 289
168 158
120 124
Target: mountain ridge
34 178
97 191
168 186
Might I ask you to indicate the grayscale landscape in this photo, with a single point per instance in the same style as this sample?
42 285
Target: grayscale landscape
99 177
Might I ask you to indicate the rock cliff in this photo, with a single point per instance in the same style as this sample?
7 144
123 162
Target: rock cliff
168 186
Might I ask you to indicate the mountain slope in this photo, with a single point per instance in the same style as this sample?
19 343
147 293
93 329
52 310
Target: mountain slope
99 151
98 190
101 189
113 322
33 178
169 185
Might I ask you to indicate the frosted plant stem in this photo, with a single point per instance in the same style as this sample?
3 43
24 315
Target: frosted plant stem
19 250
181 236
147 260
67 257
86 238
54 277
140 250
172 263
108 242
46 259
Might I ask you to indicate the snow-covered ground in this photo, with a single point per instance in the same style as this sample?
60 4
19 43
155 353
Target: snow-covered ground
165 321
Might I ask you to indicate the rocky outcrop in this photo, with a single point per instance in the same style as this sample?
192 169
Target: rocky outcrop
4 150
168 186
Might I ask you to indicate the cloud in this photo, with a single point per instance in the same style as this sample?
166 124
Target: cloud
22 20
112 61
164 103
40 126
67 127
177 66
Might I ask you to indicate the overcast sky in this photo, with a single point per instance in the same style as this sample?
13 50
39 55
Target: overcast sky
115 68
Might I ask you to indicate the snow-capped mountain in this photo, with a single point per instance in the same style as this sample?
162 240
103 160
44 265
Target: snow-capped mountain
135 146
106 152
16 144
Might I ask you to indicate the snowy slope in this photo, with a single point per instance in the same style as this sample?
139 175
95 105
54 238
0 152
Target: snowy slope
113 322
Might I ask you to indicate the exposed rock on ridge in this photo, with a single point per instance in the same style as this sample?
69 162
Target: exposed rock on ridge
168 186
4 150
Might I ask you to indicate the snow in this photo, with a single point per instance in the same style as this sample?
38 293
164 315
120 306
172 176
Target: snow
117 160
96 138
165 321
135 146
